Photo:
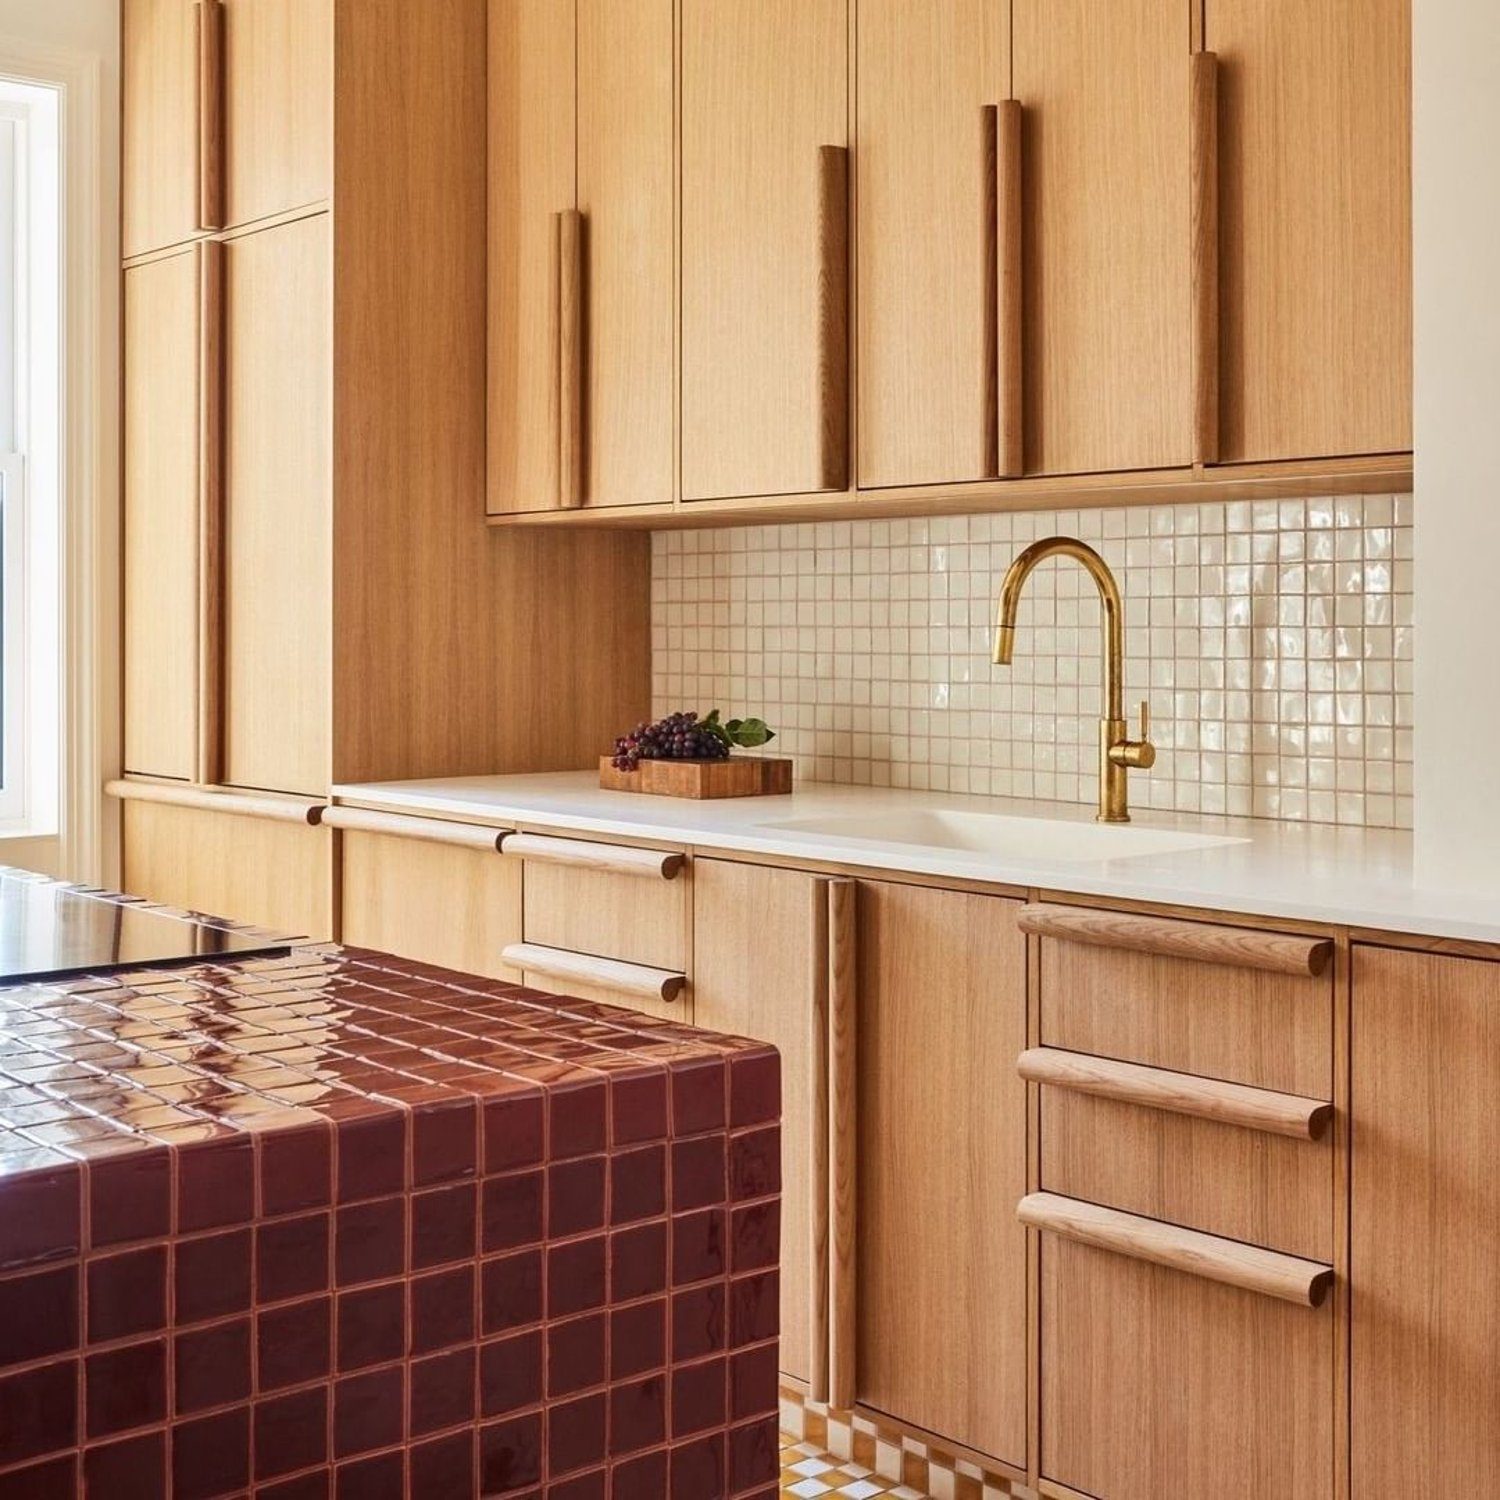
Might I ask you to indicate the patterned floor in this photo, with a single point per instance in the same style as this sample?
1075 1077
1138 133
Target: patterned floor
807 1472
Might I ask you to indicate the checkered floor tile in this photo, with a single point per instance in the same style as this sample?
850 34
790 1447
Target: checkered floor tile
806 1472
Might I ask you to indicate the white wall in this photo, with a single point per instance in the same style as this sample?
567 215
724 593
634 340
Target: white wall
1456 103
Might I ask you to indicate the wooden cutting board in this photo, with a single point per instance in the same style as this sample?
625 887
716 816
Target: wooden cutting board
738 776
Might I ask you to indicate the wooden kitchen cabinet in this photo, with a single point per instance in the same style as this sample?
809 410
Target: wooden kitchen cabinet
164 307
582 237
765 202
159 83
1425 1260
1315 226
942 1121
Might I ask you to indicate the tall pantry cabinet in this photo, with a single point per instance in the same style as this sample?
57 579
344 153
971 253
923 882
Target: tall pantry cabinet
311 594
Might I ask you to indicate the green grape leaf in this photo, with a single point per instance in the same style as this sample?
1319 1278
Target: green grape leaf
749 732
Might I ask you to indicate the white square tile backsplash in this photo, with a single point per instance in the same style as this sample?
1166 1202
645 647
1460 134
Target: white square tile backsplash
1273 640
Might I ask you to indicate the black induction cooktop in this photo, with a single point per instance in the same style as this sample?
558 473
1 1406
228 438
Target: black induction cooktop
49 930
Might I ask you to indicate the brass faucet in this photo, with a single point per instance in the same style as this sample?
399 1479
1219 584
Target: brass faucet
1118 753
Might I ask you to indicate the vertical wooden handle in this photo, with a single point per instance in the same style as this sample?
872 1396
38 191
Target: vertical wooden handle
1010 412
818 1280
833 315
209 23
1204 91
210 751
568 247
843 1130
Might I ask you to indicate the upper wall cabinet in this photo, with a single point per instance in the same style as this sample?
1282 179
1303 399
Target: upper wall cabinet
228 114
582 254
1314 168
765 204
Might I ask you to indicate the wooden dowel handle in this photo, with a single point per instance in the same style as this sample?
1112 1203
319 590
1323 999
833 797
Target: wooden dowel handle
843 1138
563 964
833 315
1009 289
209 24
210 723
1241 947
617 859
819 985
405 826
237 804
1181 1093
1231 1262
1204 173
569 245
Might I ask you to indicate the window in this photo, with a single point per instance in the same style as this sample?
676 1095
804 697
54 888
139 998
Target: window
30 387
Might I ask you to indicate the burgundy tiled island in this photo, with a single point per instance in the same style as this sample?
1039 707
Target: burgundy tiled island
338 1225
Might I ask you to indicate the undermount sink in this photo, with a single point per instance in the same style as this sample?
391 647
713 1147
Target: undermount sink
1020 838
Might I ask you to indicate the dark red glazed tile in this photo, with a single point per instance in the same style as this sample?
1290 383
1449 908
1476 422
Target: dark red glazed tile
577 1118
513 1131
291 1258
369 1411
753 1454
130 1198
698 1321
754 1308
638 1185
697 1172
38 1315
698 1097
41 1218
443 1226
314 1485
444 1141
41 1411
292 1343
291 1432
52 1479
575 1434
134 1468
575 1276
443 1469
215 1184
698 1397
638 1414
638 1338
212 1366
512 1210
372 1157
643 1477
510 1454
442 1391
126 1387
212 1276
588 1486
753 1383
296 1169
371 1326
755 1236
370 1241
442 1309
510 1373
128 1294
754 1089
511 1291
575 1355
698 1251
637 1262
575 1196
638 1107
699 1468
211 1455
755 1164
380 1478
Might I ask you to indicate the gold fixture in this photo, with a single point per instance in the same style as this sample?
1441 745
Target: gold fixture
1118 753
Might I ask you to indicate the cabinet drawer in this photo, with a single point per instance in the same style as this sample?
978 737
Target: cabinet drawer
1232 1003
574 901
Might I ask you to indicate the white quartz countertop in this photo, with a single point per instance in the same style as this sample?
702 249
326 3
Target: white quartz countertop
1348 876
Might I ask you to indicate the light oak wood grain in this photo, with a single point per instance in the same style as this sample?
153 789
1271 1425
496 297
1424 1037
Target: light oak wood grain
433 901
1105 89
1426 1199
633 982
159 99
470 836
599 910
763 88
941 1260
843 1142
277 809
586 854
926 74
1315 214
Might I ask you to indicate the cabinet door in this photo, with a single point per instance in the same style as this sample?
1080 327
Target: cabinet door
159 101
942 1119
927 375
278 546
1426 1200
1103 85
162 372
278 100
764 363
759 967
1315 241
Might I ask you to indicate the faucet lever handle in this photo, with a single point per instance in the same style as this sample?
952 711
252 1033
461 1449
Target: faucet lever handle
1145 720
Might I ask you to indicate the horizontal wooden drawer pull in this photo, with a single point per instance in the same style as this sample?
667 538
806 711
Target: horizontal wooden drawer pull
1182 1093
405 826
599 973
620 859
237 804
1241 947
1248 1267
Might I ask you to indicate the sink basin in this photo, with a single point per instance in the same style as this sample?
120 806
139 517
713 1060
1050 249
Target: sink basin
1018 838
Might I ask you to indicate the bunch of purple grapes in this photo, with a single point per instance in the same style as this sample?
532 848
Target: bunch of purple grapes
680 736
